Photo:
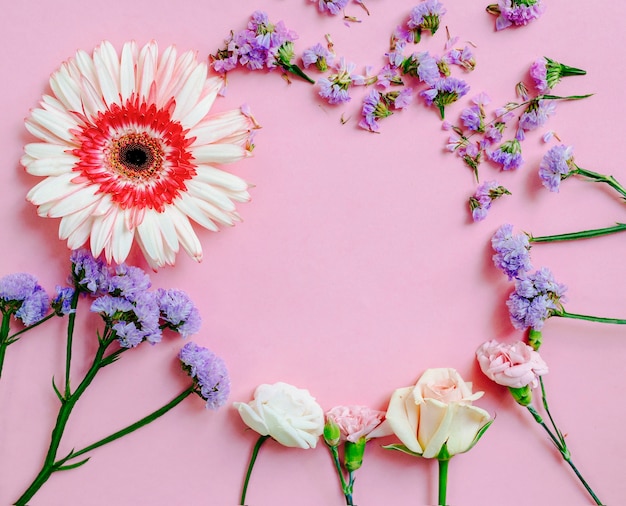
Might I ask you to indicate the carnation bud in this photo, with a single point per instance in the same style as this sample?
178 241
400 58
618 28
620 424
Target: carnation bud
522 396
534 339
353 457
332 433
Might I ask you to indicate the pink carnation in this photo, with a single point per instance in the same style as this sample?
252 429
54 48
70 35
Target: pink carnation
356 422
511 365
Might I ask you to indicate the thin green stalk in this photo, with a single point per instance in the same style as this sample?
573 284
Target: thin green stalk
583 234
131 428
599 319
344 486
443 481
255 452
559 440
601 178
70 335
4 334
67 405
13 337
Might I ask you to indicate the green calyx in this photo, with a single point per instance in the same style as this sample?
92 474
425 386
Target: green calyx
523 396
353 456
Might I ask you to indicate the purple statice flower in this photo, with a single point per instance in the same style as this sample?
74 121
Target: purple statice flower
535 298
388 76
509 155
493 133
147 315
445 91
425 16
227 58
546 73
557 164
516 12
128 334
535 116
62 302
333 7
22 296
208 372
423 66
178 311
483 197
319 56
378 105
512 252
128 282
473 118
462 57
334 88
88 274
110 307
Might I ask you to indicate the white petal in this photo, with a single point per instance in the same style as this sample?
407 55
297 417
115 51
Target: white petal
211 194
186 235
165 71
149 232
102 231
146 67
189 95
85 197
219 153
402 418
211 89
42 150
85 66
52 166
214 176
127 70
219 126
66 89
188 205
57 124
122 239
72 222
168 230
107 67
80 235
53 188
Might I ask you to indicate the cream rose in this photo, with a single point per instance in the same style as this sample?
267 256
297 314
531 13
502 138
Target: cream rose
436 411
511 365
288 414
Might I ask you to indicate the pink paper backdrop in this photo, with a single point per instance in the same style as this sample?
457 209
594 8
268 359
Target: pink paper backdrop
356 268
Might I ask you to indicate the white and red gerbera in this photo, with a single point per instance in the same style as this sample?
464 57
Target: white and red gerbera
127 148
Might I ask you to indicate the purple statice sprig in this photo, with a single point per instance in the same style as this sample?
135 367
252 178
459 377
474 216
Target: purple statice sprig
445 91
484 196
546 73
377 106
508 155
208 372
515 12
335 87
261 45
511 251
470 152
425 16
422 66
319 56
178 312
558 164
23 298
332 7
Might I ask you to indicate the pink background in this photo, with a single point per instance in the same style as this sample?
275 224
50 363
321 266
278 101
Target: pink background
356 268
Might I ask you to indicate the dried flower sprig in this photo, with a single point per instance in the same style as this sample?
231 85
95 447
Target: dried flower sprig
131 315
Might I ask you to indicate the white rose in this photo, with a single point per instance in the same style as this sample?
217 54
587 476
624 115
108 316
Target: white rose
436 411
288 414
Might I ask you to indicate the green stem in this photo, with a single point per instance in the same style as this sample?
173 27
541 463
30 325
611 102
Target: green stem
346 488
294 69
583 234
559 441
67 405
601 178
133 427
13 337
253 457
70 335
443 481
4 333
599 319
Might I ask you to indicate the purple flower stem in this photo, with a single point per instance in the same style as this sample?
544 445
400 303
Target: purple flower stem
583 234
559 440
255 453
68 402
127 430
599 319
4 333
601 178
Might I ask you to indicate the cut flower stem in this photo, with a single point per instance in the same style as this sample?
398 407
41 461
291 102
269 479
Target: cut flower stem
443 481
255 453
564 314
583 234
558 439
600 178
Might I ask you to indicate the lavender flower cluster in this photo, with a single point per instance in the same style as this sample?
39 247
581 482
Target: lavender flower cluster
123 299
208 372
516 12
22 297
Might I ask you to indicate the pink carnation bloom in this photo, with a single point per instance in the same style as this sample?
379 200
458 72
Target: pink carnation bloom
356 422
511 365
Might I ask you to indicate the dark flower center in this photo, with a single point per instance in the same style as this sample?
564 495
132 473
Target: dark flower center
136 156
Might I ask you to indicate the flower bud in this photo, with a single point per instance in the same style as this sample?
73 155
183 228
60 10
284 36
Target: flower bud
332 433
522 396
534 339
353 457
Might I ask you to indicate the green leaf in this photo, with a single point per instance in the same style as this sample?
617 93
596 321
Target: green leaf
480 433
403 449
56 391
72 466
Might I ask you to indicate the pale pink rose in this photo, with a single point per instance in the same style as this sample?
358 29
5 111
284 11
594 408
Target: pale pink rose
512 365
356 422
436 411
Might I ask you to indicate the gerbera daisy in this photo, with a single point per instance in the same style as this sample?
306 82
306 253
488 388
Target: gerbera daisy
127 148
